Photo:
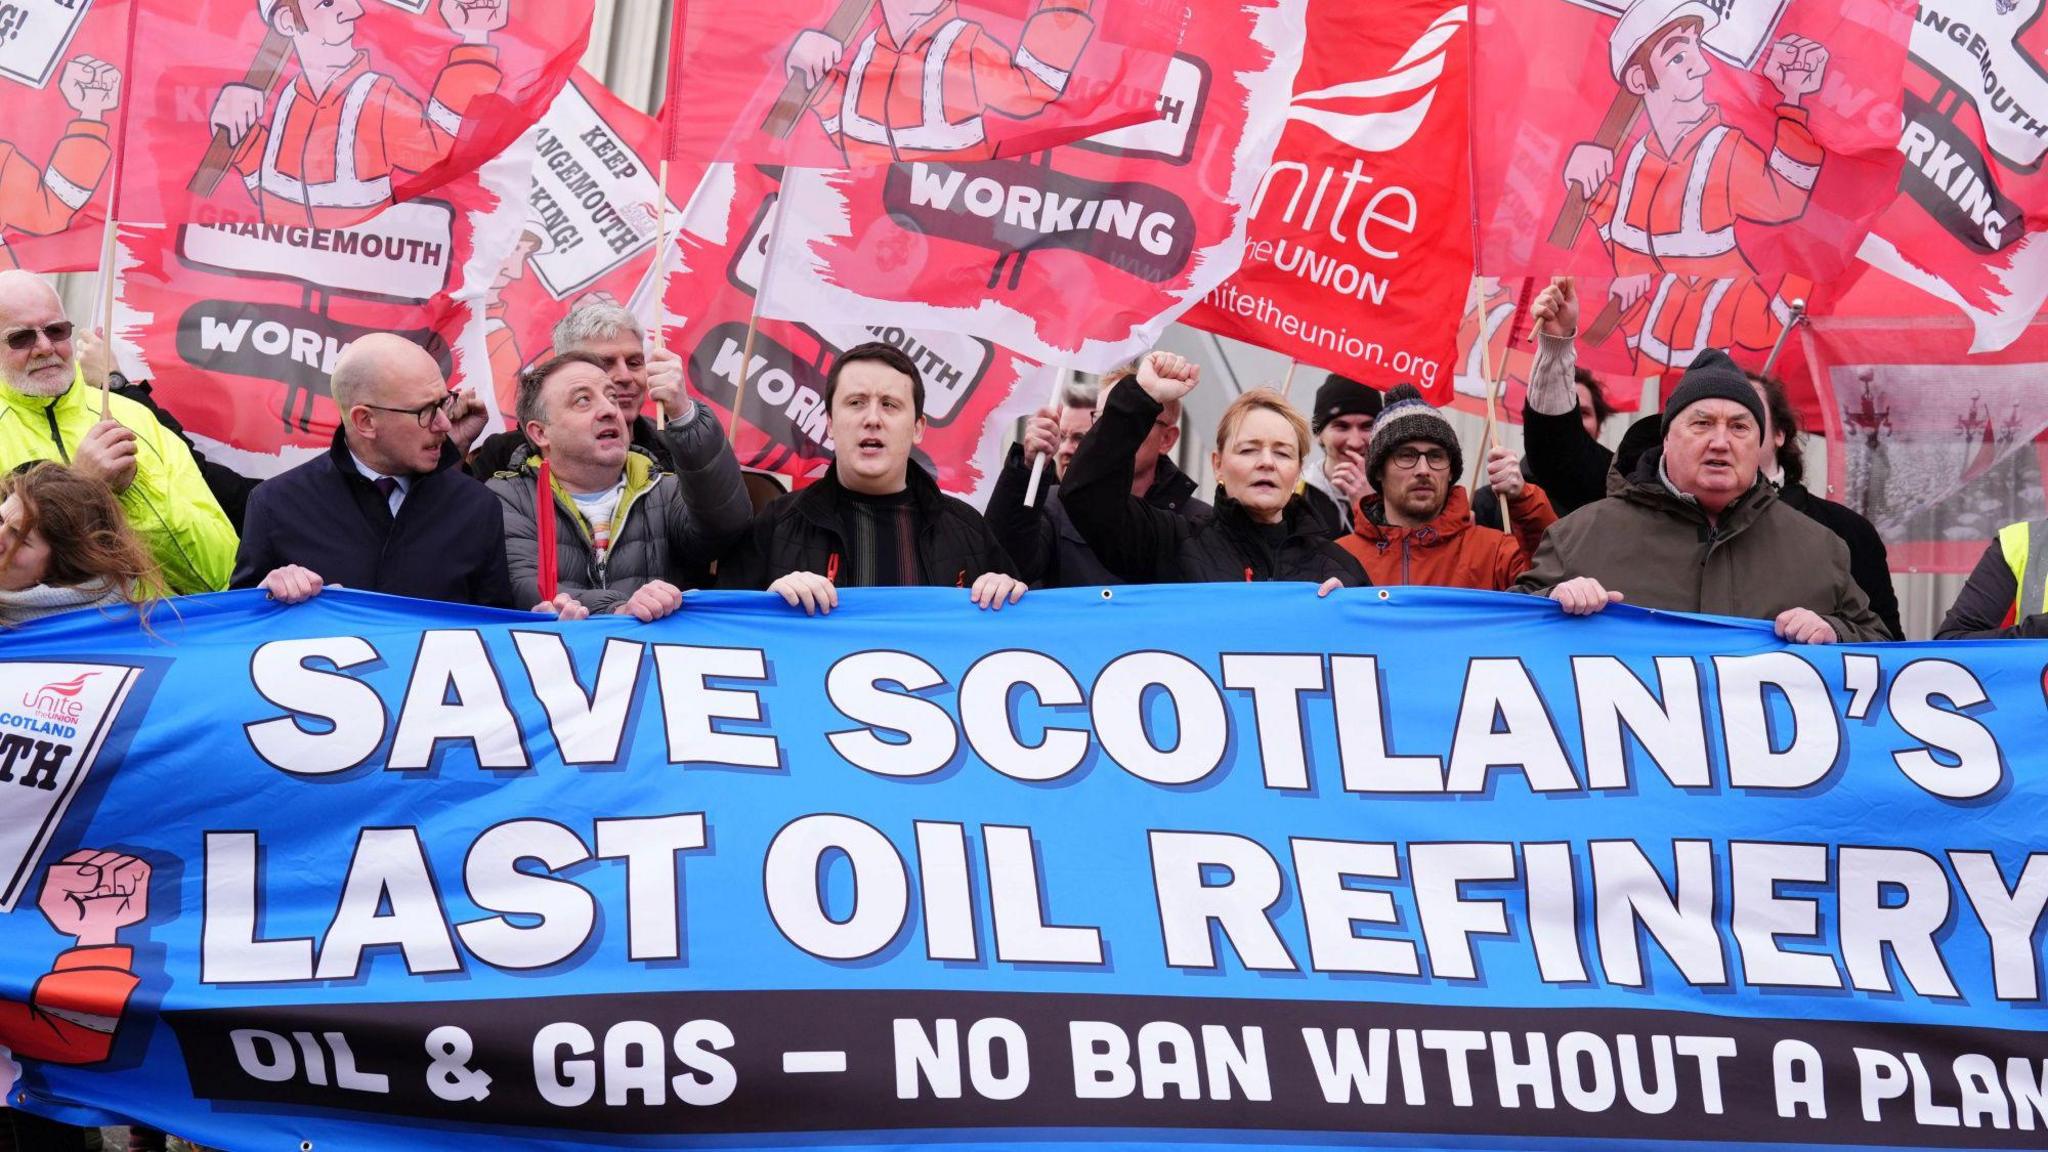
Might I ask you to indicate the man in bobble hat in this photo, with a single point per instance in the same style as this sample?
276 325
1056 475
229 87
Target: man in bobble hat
1697 529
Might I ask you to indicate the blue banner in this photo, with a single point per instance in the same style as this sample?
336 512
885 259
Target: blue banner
1131 868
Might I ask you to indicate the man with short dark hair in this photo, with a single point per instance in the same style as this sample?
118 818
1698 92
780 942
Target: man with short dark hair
874 519
387 508
627 533
1698 529
1334 479
1048 549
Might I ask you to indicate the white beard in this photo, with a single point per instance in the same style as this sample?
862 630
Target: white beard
29 386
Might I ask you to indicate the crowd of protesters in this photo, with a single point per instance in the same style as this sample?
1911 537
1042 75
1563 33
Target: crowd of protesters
617 492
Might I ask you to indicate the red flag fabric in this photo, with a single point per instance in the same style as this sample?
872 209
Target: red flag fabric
1714 159
1494 334
973 388
1360 241
64 86
589 228
1967 227
828 83
320 113
1938 447
239 325
1080 255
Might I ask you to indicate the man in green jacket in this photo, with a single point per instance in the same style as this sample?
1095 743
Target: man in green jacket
49 412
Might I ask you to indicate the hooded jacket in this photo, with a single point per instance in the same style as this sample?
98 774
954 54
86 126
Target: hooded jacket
1451 551
1147 545
168 503
1659 550
667 526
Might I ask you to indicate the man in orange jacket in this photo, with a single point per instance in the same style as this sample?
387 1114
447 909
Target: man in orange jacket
920 82
1417 528
340 130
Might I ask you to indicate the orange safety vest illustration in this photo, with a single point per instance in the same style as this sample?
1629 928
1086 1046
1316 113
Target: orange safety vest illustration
40 201
501 344
1673 217
326 161
73 1010
925 99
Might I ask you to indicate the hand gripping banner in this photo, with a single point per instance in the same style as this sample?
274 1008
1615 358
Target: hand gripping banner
1401 868
833 83
325 112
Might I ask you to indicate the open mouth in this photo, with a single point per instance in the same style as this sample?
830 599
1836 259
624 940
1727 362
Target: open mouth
871 444
607 434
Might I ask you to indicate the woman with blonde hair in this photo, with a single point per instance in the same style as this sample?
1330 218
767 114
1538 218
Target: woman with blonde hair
65 545
1262 529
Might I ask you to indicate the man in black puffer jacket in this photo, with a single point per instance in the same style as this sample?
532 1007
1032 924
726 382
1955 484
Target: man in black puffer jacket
1262 529
875 519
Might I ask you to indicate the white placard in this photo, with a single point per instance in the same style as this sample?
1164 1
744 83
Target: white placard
405 252
54 717
592 195
34 35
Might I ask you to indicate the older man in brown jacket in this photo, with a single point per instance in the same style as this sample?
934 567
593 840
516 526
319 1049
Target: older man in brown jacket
1697 530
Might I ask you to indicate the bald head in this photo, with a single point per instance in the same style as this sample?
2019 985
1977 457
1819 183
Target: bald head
29 304
21 290
367 369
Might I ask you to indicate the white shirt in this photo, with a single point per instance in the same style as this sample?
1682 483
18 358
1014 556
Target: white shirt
397 495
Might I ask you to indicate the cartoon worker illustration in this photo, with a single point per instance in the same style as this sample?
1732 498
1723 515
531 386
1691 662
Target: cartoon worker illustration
40 201
72 1015
501 343
920 83
340 129
1667 213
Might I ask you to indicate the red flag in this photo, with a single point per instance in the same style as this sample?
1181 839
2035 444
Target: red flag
590 226
324 112
1936 446
1714 159
1080 255
1968 226
239 326
64 93
1360 242
1497 316
828 83
973 388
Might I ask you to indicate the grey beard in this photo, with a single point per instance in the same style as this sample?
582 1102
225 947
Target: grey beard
28 386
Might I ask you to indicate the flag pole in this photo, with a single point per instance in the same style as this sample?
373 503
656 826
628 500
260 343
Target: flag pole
739 396
1287 383
1798 317
661 261
1059 387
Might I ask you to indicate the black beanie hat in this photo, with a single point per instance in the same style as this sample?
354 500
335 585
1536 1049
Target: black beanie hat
1713 376
1343 396
1407 417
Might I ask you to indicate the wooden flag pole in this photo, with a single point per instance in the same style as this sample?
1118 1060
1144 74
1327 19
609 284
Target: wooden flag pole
1496 379
739 396
661 260
1287 383
1059 385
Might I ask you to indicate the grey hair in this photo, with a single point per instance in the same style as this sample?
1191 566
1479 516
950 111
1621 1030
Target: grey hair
594 320
1079 393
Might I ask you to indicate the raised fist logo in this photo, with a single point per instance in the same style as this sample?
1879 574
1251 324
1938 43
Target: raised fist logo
93 895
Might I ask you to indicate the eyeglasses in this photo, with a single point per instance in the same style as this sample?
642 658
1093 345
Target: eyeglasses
1407 459
425 412
23 339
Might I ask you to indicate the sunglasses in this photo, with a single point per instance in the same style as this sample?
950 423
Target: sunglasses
23 339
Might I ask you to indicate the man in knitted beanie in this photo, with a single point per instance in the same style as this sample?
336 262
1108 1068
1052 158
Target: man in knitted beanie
1333 480
1418 529
1698 530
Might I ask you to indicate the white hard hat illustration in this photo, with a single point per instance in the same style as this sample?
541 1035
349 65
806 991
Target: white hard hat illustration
264 8
1643 20
543 242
